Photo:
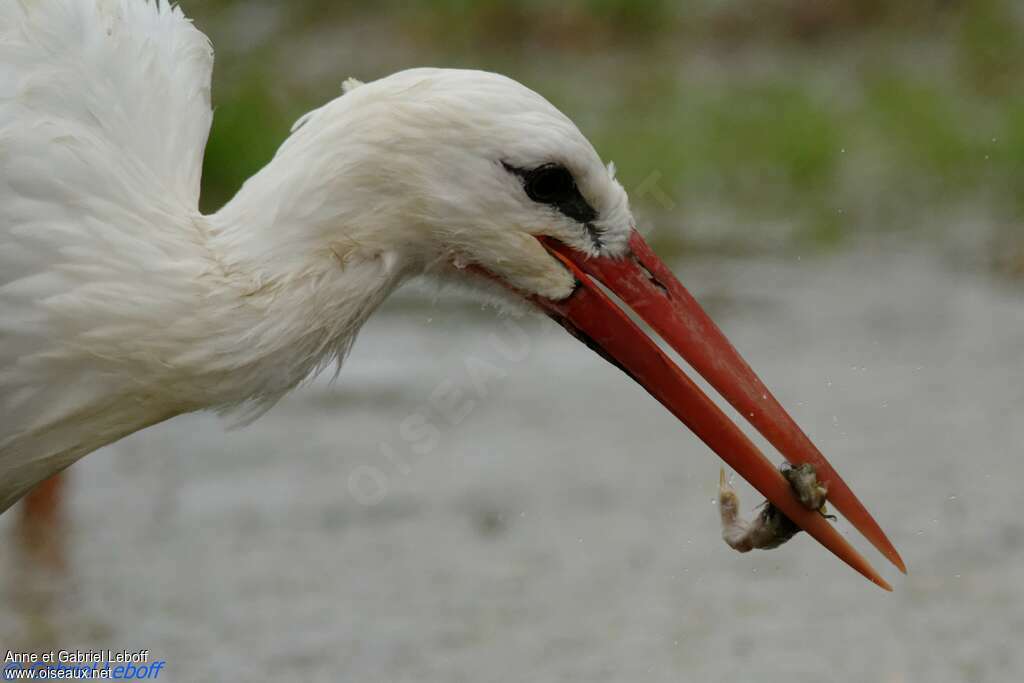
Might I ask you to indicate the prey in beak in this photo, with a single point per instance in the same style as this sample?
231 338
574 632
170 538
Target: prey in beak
771 528
650 289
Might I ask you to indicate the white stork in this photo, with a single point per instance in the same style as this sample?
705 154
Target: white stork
121 305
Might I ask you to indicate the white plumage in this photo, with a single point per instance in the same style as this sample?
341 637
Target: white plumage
122 306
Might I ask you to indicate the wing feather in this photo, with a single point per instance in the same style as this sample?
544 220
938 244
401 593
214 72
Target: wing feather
104 116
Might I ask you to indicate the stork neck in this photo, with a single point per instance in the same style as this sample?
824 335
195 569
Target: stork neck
293 299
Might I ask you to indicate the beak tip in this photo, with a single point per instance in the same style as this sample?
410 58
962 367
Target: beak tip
872 575
890 553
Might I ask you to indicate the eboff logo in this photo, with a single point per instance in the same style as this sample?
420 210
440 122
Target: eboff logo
40 671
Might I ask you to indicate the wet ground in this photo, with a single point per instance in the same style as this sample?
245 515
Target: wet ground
483 500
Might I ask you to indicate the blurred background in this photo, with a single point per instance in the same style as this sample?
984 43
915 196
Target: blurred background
840 182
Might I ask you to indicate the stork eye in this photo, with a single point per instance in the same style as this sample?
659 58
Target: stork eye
550 184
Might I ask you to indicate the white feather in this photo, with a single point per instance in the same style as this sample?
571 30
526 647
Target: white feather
98 187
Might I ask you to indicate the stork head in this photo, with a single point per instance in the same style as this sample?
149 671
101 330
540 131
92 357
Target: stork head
511 169
463 168
467 173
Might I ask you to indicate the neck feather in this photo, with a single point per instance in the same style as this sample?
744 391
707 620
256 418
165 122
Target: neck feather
291 293
302 255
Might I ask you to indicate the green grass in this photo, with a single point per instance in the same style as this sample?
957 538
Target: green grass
247 129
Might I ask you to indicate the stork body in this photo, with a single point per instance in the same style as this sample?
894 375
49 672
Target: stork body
121 305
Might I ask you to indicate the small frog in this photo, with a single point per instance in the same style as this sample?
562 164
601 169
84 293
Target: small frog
771 528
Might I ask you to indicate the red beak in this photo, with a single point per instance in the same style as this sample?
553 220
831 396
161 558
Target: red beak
647 286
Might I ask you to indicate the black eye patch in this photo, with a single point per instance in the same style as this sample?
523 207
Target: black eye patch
552 184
